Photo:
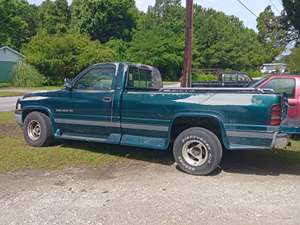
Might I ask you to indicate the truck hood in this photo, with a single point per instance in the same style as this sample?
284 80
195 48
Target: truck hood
55 93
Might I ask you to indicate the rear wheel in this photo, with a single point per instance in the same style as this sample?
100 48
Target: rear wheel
37 129
197 151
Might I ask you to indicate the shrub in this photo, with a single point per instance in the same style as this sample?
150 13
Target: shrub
204 77
294 61
58 56
255 73
25 75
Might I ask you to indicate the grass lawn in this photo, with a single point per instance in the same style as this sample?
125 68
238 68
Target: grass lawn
15 154
10 94
6 91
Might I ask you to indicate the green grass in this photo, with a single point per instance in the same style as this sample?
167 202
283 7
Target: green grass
15 154
2 85
10 94
48 88
6 91
6 118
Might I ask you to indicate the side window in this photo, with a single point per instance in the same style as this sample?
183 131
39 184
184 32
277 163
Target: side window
143 79
97 79
244 78
281 85
230 77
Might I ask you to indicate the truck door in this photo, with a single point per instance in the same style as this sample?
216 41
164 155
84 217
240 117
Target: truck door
287 86
90 107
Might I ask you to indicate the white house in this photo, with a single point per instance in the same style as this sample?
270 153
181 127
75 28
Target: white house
274 68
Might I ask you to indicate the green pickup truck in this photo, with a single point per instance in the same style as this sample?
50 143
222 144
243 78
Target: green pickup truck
126 104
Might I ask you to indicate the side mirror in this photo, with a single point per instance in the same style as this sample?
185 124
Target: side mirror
68 84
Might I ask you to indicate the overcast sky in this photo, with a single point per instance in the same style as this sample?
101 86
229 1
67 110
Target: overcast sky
230 7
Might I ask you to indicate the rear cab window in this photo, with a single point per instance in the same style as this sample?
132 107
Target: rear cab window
282 86
142 78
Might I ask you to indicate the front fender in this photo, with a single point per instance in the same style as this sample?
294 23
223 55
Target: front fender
31 108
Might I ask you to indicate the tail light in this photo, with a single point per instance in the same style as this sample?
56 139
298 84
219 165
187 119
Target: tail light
276 115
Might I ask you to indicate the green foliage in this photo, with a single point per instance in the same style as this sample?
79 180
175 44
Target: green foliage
204 77
223 42
57 56
120 48
294 61
159 38
291 18
255 73
25 75
104 19
271 33
54 16
18 22
63 47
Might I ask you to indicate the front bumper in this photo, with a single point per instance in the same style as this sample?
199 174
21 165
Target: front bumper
280 141
18 116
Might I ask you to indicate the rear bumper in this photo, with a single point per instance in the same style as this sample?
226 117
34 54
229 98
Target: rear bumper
280 141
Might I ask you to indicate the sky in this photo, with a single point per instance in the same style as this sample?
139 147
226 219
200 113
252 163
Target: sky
230 7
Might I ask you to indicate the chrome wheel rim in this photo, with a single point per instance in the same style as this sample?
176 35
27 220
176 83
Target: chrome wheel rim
34 130
195 152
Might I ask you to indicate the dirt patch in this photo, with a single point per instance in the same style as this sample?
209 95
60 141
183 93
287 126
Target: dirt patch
10 130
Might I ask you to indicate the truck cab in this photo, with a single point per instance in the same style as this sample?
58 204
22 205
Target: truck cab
289 85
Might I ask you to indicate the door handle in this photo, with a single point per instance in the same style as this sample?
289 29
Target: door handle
106 99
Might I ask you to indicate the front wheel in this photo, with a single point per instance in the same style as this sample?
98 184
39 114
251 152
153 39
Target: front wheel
197 151
37 129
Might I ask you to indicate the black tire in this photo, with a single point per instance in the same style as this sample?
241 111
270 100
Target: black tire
197 151
41 121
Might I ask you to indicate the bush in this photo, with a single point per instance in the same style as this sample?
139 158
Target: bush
255 73
25 75
294 61
204 77
58 56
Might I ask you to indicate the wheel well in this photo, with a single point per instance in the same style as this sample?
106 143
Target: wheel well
26 112
182 123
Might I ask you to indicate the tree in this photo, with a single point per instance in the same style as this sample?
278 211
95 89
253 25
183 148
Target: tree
291 18
294 61
54 16
222 41
57 56
120 48
271 33
104 19
159 38
18 22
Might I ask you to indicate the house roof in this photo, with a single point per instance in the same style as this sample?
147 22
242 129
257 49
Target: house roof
12 50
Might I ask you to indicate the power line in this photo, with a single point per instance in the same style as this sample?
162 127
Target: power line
249 10
274 6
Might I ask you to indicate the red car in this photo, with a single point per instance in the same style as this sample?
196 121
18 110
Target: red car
290 85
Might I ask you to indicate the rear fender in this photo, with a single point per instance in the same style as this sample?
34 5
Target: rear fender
202 116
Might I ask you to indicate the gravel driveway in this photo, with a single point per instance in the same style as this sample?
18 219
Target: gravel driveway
249 190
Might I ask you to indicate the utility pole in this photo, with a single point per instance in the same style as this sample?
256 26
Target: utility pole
186 77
